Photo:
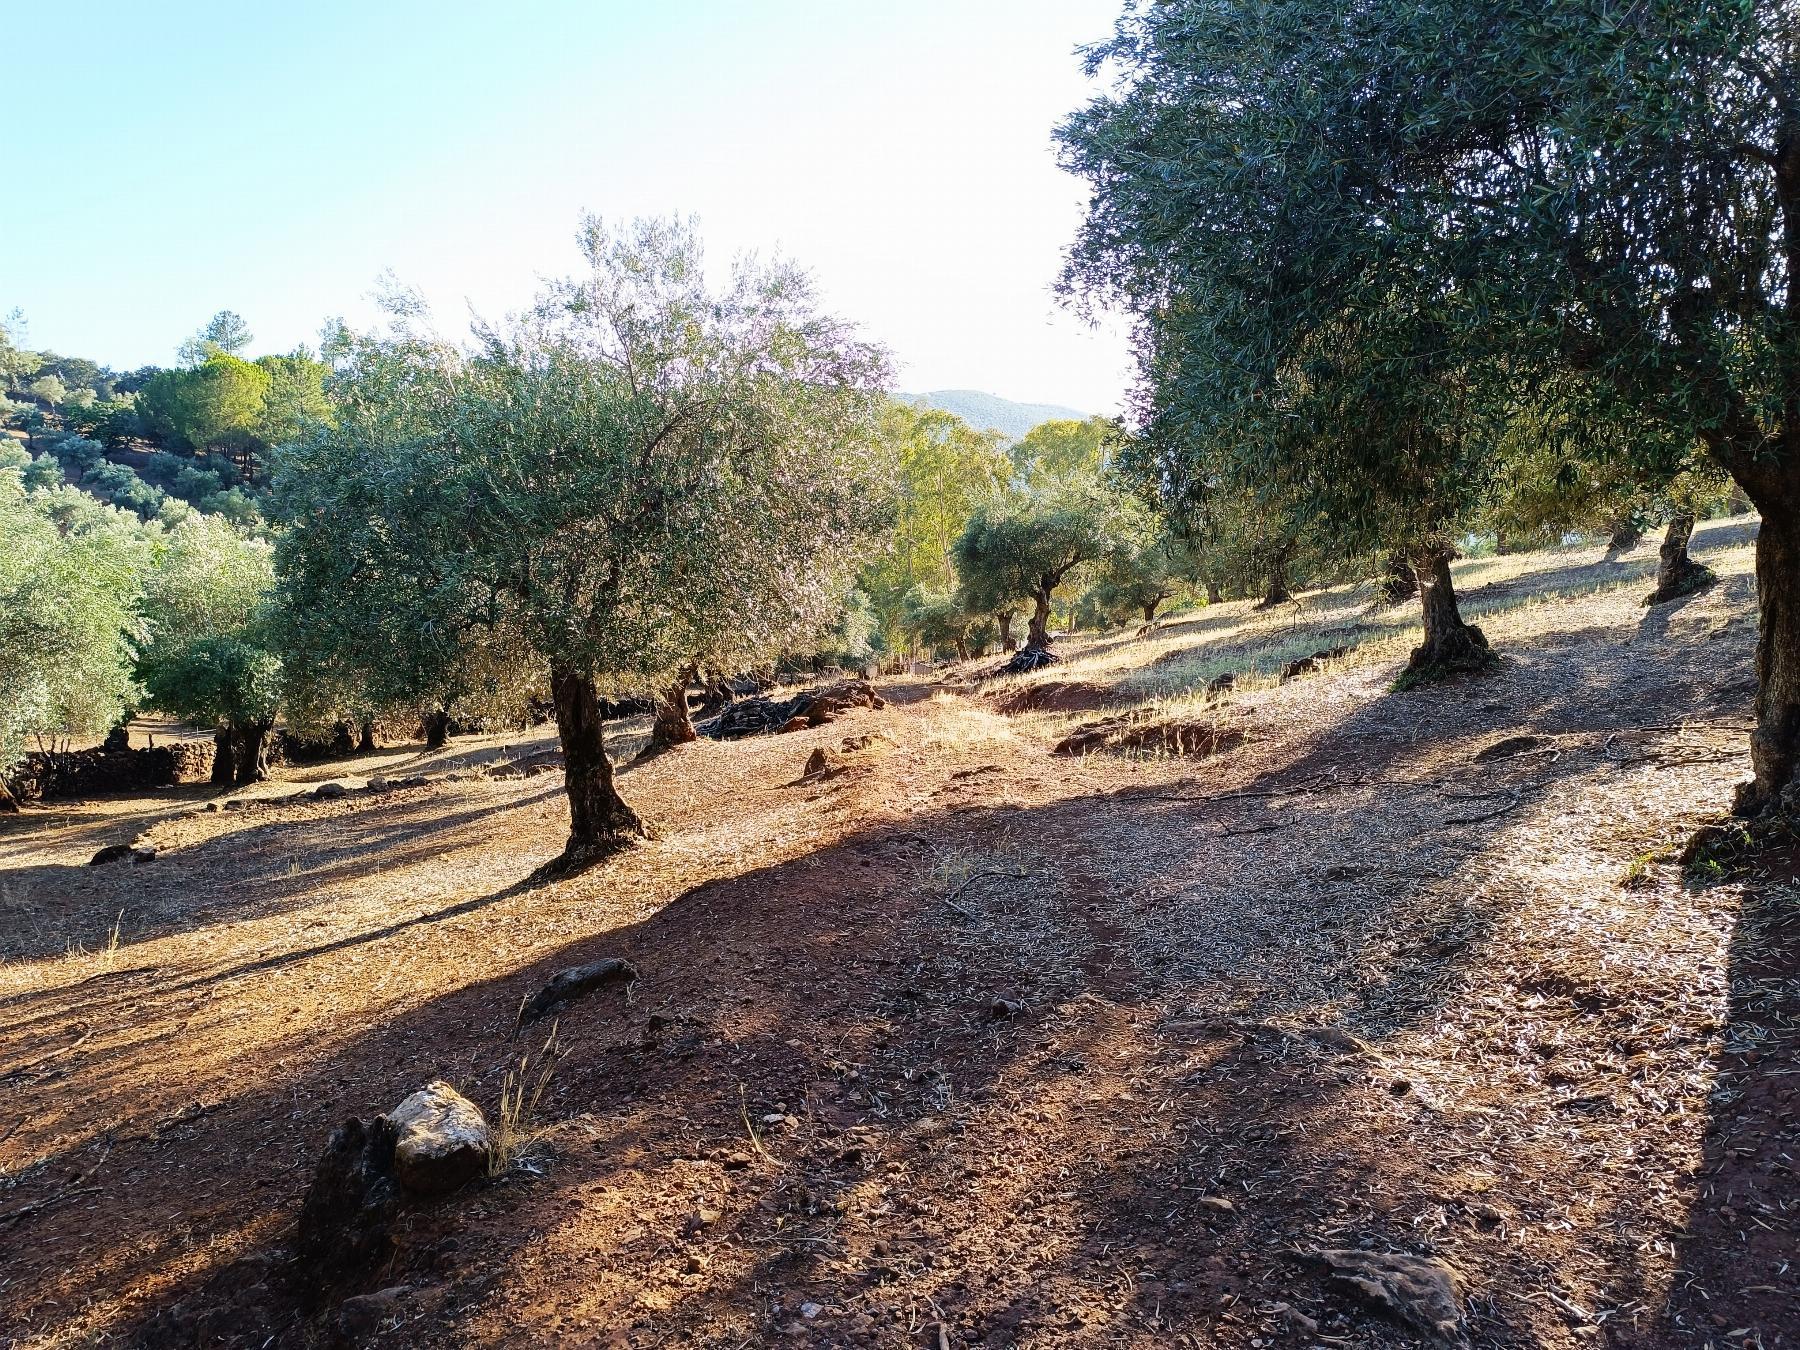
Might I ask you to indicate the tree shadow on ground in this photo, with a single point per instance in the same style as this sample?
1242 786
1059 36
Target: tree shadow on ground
281 854
1738 1253
1020 1046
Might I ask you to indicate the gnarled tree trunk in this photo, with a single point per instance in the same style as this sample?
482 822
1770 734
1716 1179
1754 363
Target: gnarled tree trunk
1775 744
1626 533
1005 619
1398 581
1279 593
1676 573
252 751
224 768
366 740
9 804
1450 645
1214 596
1151 608
1038 634
437 729
674 725
600 823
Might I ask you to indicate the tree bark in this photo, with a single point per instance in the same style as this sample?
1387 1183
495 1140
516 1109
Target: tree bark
1214 596
1279 594
1038 634
1399 582
674 725
437 729
1626 535
600 823
1775 744
1005 619
366 741
1451 646
253 752
1150 610
1676 573
962 649
224 769
9 804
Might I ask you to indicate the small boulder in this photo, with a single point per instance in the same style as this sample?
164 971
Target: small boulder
326 792
111 853
361 1318
143 853
1508 746
794 724
441 1140
1418 1290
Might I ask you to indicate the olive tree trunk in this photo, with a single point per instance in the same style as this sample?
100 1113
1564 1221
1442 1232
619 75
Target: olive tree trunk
1038 634
1676 573
1625 536
366 740
1279 592
1775 744
224 768
600 822
437 729
1398 580
1451 646
1214 596
252 751
674 724
1005 621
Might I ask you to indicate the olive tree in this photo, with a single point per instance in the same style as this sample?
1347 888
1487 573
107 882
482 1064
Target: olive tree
69 583
1022 549
638 462
1582 189
208 654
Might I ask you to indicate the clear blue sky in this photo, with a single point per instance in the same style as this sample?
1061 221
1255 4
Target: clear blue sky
176 159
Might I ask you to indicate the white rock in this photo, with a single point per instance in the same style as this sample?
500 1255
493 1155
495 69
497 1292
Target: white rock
443 1140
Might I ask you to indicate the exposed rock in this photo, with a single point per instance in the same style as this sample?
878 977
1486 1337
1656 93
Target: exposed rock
1419 1291
111 853
797 724
362 1317
330 791
143 853
441 1141
575 982
1509 746
1311 665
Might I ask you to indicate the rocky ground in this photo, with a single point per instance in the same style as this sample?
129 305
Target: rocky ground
960 1042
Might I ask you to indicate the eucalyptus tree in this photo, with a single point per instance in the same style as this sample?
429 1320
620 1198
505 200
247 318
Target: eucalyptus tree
944 471
608 481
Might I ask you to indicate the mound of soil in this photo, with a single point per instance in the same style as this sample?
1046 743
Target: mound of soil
1171 736
1058 696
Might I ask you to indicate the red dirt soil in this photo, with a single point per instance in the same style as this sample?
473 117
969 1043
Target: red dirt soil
964 1046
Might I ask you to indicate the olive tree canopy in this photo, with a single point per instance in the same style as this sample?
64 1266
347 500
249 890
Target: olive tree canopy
639 469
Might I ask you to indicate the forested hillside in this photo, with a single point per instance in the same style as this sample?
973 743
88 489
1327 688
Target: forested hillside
990 412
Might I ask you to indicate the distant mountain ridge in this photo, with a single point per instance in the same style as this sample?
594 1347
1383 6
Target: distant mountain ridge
990 412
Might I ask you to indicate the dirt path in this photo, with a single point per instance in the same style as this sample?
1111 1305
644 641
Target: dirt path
969 1045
